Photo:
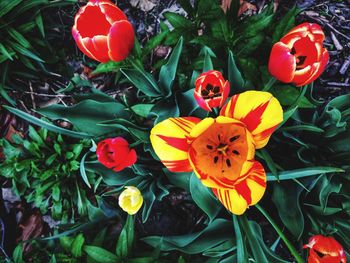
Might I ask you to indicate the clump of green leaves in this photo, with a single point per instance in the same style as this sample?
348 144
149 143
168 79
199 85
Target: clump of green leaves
44 170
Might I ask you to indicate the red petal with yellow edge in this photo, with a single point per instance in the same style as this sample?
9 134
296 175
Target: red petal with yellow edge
318 69
258 110
169 140
248 192
120 40
112 12
282 63
328 250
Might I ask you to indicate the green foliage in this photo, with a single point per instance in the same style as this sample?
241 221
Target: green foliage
24 49
44 170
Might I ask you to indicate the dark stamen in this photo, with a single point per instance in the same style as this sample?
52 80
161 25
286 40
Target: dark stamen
216 158
209 87
204 92
228 162
232 139
216 89
209 147
301 60
293 51
219 137
235 152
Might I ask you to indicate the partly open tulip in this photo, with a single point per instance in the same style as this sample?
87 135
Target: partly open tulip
299 57
211 90
221 150
115 153
325 250
102 31
130 200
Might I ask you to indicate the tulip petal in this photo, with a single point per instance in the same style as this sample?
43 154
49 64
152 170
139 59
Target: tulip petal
201 102
282 63
100 48
169 140
120 40
315 71
112 12
247 192
92 22
258 110
81 44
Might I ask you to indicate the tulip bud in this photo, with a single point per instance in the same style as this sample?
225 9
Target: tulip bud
324 250
115 153
102 31
299 57
211 90
130 200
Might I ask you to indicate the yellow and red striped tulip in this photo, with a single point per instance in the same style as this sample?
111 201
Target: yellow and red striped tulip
221 150
325 250
211 90
103 32
299 57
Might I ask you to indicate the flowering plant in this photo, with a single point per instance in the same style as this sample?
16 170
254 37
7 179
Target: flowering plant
207 142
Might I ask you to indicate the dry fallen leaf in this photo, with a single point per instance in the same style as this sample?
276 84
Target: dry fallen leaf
144 5
244 6
32 227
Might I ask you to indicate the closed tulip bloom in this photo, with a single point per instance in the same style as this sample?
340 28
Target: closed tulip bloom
115 153
102 31
325 250
220 151
211 90
299 57
130 200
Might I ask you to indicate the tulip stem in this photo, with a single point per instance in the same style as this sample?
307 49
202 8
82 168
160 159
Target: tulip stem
289 245
270 84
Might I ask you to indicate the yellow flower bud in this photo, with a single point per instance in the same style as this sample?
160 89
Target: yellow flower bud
130 200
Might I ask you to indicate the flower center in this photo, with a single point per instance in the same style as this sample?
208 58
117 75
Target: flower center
220 153
210 92
300 59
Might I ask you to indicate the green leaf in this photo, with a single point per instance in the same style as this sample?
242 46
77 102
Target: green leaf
100 255
143 81
285 24
7 6
304 172
82 170
287 95
203 197
126 239
45 124
77 245
177 20
168 71
214 234
242 255
86 115
234 75
109 66
208 64
286 198
142 110
255 247
18 252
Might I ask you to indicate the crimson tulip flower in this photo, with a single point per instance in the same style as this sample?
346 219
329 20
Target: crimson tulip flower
325 250
211 90
299 57
102 31
115 153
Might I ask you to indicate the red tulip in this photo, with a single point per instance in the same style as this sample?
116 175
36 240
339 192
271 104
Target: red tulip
102 31
299 57
115 153
325 250
211 90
